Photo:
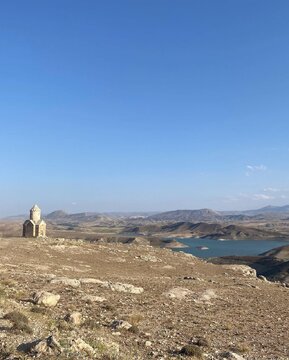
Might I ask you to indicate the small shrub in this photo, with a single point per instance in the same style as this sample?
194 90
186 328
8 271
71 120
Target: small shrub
8 282
192 350
240 348
2 293
134 329
20 321
19 295
5 350
63 325
16 317
39 310
91 324
134 319
202 342
109 307
23 328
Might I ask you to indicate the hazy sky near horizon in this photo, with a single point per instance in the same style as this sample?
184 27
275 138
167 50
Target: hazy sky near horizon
143 104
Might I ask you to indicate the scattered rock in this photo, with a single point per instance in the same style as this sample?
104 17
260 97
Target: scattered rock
66 281
201 341
92 281
120 324
127 288
45 298
150 258
232 356
93 298
74 318
192 278
207 295
78 345
49 346
178 293
103 348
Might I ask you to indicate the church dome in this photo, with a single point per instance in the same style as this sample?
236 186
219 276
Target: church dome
35 208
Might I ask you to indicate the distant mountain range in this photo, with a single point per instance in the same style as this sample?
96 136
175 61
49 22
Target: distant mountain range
268 210
209 215
187 215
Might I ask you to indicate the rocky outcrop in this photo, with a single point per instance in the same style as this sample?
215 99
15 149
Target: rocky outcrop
126 288
45 298
242 269
65 281
178 293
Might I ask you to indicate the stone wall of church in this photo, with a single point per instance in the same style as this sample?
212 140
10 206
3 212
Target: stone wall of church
28 229
41 230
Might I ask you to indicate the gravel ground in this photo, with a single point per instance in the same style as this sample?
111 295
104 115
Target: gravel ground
177 306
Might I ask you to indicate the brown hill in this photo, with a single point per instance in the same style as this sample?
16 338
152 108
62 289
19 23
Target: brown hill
202 229
187 215
279 253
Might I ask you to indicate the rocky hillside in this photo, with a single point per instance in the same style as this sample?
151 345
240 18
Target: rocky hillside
69 299
273 264
202 229
279 253
61 216
187 215
269 210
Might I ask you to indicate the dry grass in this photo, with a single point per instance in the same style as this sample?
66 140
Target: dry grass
192 350
91 324
20 321
241 348
134 319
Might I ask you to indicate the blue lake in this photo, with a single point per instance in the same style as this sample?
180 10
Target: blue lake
218 248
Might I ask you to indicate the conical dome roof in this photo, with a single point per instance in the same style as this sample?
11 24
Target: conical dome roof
35 207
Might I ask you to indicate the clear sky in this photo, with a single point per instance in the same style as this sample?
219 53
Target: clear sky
126 105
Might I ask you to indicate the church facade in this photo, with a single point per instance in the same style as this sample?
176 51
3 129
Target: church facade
35 226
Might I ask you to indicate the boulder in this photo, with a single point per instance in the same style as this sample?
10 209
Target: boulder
75 318
244 270
45 298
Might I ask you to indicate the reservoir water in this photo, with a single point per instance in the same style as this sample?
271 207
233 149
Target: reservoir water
216 248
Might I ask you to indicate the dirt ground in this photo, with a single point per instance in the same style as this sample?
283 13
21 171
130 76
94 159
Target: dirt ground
175 300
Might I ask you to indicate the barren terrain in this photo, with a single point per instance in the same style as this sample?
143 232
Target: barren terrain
122 301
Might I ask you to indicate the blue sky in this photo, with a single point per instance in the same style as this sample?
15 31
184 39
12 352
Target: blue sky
143 105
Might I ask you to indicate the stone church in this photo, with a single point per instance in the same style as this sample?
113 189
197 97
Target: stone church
35 227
